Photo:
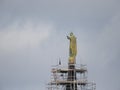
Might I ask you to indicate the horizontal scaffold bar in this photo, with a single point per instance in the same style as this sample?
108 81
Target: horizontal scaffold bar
63 82
81 70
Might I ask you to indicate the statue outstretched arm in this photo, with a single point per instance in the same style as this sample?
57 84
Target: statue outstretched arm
68 37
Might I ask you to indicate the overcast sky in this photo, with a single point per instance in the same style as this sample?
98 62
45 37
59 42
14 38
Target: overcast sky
33 38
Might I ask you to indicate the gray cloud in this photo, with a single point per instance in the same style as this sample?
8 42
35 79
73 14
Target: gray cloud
95 23
67 13
17 36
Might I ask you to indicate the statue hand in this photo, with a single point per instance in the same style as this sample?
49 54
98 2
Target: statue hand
68 37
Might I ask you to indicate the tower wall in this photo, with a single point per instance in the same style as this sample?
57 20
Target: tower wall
71 77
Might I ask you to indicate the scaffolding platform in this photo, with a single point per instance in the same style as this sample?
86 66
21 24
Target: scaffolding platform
59 78
81 70
64 82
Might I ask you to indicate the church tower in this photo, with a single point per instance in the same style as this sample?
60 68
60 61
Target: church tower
73 76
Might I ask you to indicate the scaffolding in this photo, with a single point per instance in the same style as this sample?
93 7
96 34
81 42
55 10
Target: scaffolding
72 77
60 78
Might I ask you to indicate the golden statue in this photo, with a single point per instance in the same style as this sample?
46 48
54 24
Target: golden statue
72 48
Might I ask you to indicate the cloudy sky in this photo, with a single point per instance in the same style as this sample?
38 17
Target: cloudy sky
33 38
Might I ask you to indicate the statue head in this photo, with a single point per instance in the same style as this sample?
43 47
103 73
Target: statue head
71 33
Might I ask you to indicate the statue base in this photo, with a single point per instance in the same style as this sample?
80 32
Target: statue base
72 60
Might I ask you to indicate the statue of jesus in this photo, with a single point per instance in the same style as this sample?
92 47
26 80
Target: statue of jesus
72 48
